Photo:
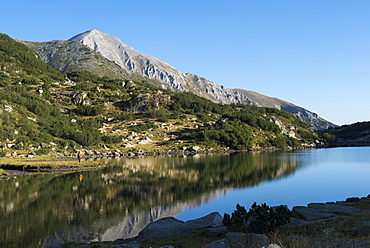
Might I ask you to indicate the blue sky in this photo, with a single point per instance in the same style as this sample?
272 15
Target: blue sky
315 54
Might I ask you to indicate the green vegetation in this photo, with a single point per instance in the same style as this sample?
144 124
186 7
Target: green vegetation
45 162
43 109
238 126
354 134
2 172
259 219
25 62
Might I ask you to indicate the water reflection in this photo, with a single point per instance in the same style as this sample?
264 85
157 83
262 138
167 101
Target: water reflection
117 201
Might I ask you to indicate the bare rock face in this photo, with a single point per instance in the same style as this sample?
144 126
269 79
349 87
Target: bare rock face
218 93
172 227
133 61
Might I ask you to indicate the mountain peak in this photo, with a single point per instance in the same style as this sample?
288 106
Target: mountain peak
107 45
131 60
92 34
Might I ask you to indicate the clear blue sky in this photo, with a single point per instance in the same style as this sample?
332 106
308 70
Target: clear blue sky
315 54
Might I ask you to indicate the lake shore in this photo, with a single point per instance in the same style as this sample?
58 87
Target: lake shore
156 162
10 167
330 224
19 166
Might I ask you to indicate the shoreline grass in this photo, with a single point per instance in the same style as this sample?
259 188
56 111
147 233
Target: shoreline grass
46 163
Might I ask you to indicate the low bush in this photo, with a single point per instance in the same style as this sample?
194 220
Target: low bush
87 110
112 139
259 218
42 151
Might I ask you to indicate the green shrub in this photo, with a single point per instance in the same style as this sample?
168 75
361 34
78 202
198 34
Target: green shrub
87 110
3 172
265 219
259 218
29 80
162 119
88 137
140 127
66 144
42 151
109 139
2 154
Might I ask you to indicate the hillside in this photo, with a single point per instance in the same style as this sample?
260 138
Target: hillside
357 134
303 114
79 58
124 60
44 111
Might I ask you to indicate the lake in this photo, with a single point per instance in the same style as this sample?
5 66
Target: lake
119 200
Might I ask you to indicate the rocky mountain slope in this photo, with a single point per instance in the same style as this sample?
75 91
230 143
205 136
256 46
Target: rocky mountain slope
44 111
168 77
154 72
79 58
305 115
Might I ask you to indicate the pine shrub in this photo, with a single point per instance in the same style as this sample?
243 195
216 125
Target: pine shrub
259 218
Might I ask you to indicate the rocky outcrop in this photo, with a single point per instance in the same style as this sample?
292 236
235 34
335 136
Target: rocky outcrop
284 130
145 102
218 93
171 227
329 210
348 221
315 121
321 211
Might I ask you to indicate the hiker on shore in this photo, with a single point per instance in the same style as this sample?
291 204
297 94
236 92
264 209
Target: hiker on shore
79 156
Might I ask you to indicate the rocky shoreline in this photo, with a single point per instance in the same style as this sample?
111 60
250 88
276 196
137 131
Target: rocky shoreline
341 224
14 171
191 151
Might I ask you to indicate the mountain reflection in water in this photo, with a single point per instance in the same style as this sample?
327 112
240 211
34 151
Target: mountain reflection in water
119 200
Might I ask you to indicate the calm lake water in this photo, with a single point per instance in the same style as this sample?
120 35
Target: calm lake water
119 200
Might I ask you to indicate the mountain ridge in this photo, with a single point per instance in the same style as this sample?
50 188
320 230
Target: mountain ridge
45 111
161 74
175 79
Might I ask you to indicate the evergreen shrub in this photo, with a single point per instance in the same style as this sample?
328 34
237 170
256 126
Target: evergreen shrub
259 218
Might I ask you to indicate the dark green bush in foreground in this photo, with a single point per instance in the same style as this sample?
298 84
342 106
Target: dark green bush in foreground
259 218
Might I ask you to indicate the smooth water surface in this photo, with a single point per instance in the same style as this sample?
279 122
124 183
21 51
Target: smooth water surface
119 200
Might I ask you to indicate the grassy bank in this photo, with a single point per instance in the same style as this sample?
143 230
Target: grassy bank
45 164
